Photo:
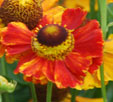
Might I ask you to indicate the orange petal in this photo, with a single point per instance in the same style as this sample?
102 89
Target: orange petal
17 38
63 77
31 67
73 18
77 64
16 34
43 22
55 14
48 4
1 1
28 57
48 69
95 64
88 40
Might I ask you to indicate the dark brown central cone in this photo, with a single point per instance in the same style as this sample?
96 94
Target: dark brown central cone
26 11
52 35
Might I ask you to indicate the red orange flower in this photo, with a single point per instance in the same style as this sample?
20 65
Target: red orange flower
30 18
63 53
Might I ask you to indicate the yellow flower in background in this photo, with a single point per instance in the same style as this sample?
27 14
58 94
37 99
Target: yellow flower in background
85 4
93 80
110 1
52 10
82 99
6 86
108 59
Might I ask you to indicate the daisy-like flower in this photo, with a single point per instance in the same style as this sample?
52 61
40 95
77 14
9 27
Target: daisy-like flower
28 12
62 53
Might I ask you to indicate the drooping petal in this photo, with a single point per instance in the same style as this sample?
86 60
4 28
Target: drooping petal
16 34
17 38
77 64
88 39
35 80
48 69
63 77
17 49
32 67
28 57
73 18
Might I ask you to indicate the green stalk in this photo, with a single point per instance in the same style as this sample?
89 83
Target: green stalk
103 12
4 72
49 92
33 91
0 98
74 93
103 84
92 9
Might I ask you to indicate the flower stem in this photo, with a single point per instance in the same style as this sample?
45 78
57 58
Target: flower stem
103 84
4 71
0 98
92 9
103 12
74 92
49 91
33 91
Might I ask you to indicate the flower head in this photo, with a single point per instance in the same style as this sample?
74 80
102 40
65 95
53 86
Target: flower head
31 15
5 86
63 53
26 11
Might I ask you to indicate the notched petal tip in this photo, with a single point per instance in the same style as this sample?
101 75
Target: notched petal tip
73 18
